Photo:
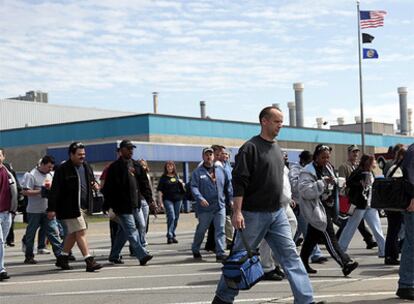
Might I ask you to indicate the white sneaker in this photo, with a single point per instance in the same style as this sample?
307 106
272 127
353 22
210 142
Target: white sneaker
43 251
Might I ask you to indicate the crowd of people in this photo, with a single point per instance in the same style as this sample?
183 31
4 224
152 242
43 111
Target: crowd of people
284 209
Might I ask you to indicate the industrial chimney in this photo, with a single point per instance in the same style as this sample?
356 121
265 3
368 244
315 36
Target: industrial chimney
298 87
397 122
410 122
319 122
369 119
403 91
155 101
292 113
203 109
341 121
357 119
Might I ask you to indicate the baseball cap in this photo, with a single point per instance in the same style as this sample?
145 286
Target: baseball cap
353 148
208 149
126 144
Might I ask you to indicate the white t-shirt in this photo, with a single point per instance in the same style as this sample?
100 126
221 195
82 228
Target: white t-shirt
34 180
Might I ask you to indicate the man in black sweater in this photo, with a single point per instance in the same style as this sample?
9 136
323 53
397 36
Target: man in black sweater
258 183
125 181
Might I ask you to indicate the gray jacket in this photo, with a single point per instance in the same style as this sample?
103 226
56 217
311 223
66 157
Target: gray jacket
310 189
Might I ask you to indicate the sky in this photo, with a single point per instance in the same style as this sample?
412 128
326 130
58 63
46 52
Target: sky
238 56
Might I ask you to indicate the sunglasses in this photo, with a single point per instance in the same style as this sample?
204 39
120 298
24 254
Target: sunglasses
324 147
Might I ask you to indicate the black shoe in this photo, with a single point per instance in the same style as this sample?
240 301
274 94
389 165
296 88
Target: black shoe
145 259
391 261
309 269
221 258
320 302
62 261
174 240
116 261
169 241
4 276
217 300
91 264
405 293
11 244
272 276
371 245
279 272
197 255
30 260
348 268
71 258
319 260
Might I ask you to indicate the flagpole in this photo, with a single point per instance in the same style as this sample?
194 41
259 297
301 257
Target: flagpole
361 101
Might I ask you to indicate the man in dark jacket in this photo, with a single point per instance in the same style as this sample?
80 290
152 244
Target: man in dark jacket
125 182
70 195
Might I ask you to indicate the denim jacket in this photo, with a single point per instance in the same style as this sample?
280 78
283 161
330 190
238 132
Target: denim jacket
217 194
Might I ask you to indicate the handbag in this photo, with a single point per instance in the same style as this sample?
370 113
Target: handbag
242 269
392 193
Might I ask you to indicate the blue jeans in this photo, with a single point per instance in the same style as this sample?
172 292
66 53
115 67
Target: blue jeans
275 229
142 221
407 257
128 231
5 223
372 218
36 220
204 220
172 210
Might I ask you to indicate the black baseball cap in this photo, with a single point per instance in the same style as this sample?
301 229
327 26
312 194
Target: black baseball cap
126 143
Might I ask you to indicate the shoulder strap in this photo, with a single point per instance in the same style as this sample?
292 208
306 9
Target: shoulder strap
398 165
245 244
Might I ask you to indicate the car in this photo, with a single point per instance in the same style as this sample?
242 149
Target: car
383 158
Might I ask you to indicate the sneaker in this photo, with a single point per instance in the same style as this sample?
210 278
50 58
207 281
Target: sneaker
279 271
299 242
71 257
116 261
371 245
62 261
91 264
43 251
145 260
169 241
197 255
391 261
217 300
405 293
10 244
4 276
174 240
272 276
30 260
310 269
348 268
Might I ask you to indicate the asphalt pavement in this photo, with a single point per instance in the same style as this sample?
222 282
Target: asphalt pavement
174 277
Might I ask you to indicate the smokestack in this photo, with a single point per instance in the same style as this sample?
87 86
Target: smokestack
397 121
410 121
319 122
403 91
369 119
341 121
292 113
298 87
155 101
203 109
357 119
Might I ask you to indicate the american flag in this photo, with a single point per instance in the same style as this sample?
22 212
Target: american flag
371 19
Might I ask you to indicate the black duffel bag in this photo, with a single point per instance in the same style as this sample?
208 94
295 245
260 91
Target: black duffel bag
392 193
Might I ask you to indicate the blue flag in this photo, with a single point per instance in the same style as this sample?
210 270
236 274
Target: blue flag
369 53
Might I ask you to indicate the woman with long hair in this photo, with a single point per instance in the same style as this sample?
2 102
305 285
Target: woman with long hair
318 195
359 184
171 191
